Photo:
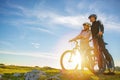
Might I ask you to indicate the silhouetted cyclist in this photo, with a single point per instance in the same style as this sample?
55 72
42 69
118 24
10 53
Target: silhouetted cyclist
84 37
97 30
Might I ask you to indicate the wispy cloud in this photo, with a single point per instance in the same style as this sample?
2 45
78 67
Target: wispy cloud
47 18
41 30
6 44
32 54
50 18
33 58
36 45
69 21
84 8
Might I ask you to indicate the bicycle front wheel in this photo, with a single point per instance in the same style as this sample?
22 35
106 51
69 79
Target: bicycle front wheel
68 60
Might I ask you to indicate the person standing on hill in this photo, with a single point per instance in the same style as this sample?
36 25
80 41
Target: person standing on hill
84 37
97 30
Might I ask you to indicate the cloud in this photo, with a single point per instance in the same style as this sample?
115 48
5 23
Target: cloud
41 30
32 54
47 18
38 15
85 8
36 45
69 21
38 59
6 44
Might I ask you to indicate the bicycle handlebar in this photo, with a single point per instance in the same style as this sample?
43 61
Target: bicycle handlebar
76 42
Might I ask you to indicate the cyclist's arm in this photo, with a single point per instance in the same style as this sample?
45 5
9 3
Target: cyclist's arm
77 37
101 27
80 36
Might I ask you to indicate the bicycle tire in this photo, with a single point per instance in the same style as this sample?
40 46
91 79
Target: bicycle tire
110 62
61 60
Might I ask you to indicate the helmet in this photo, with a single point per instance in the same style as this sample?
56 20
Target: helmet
93 15
87 24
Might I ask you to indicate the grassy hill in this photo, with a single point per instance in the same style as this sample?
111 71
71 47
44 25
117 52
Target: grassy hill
9 70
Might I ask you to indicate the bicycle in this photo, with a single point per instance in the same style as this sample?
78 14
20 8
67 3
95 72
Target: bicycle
68 59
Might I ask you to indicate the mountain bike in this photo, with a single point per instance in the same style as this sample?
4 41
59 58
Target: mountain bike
69 60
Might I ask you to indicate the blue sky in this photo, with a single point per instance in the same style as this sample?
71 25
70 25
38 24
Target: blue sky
36 32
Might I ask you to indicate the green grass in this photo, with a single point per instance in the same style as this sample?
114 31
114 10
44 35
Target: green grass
87 75
8 72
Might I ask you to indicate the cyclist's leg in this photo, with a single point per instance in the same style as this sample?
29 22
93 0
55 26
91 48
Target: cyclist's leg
82 62
101 44
84 47
97 52
89 59
82 57
102 48
105 51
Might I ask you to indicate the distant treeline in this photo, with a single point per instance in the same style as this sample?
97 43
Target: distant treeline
27 67
117 68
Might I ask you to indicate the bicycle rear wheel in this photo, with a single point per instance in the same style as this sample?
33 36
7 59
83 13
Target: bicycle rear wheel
110 62
68 60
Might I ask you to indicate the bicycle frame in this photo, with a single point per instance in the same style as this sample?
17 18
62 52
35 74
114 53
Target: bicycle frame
77 47
92 58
